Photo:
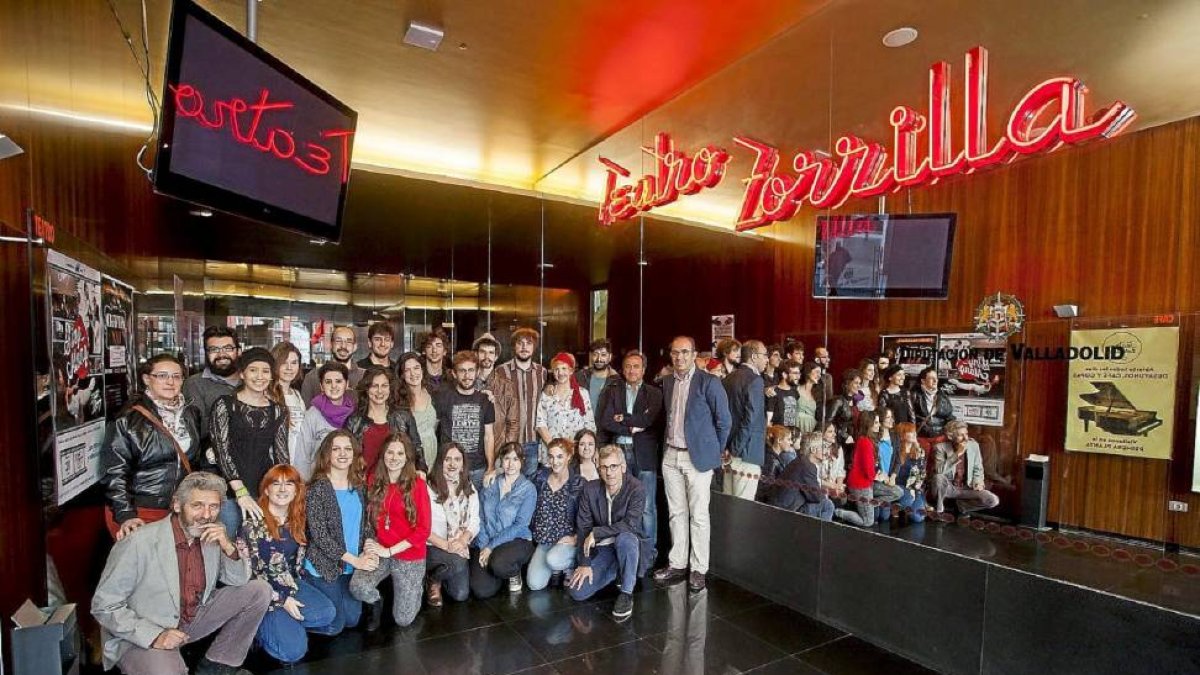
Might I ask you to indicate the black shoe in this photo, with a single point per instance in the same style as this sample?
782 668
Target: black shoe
374 615
623 607
206 667
556 580
668 573
696 581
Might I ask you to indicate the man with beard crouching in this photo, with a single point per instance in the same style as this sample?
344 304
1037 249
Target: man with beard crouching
157 592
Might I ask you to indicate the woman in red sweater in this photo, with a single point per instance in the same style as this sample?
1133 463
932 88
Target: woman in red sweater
861 476
398 505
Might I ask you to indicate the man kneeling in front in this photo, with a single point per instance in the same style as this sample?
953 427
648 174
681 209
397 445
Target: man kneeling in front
609 531
157 591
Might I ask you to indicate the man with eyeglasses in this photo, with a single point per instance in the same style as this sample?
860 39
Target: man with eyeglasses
698 425
381 337
344 345
748 412
219 378
609 532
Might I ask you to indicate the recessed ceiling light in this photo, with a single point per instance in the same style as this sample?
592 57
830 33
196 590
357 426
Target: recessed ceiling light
424 35
905 35
201 213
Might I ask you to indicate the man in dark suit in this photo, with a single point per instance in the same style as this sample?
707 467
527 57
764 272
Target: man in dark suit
630 416
748 414
697 429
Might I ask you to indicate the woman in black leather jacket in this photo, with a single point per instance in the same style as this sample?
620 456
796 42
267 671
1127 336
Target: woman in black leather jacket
378 415
842 411
141 455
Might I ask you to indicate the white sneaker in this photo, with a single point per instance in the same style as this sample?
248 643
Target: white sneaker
514 584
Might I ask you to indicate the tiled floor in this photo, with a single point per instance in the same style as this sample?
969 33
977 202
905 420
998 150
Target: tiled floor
724 629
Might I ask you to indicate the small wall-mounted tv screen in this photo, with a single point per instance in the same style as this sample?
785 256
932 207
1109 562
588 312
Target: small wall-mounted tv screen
883 256
242 132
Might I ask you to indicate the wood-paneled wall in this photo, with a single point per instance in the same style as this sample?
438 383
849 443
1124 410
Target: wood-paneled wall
1112 227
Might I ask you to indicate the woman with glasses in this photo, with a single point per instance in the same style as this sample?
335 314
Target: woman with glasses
504 543
249 436
149 448
378 415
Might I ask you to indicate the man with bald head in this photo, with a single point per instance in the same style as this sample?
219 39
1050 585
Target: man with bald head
344 345
698 425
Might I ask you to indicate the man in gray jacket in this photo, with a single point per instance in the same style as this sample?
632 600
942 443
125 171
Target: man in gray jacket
958 471
157 592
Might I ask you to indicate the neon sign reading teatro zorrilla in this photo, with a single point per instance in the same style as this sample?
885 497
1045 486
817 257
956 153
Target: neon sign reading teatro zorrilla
1050 115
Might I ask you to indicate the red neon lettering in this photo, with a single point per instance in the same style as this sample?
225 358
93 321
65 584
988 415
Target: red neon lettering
279 142
1050 115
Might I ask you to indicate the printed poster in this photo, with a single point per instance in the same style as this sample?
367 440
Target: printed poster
1123 405
77 333
119 379
722 327
1196 450
914 353
971 371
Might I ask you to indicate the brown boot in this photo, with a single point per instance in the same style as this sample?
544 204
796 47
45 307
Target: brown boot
435 593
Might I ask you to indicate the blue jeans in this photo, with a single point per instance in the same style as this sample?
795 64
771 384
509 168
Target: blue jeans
915 501
476 477
231 517
531 459
649 480
610 563
285 638
347 610
548 559
822 510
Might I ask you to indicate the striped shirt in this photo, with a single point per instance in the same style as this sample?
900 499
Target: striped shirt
528 385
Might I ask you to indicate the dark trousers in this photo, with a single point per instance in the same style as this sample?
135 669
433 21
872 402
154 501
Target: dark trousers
347 608
506 561
615 562
450 570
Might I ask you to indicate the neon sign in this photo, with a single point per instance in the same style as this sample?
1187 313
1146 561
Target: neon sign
310 156
1049 116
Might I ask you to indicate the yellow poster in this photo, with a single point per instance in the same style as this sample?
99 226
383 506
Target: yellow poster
1121 391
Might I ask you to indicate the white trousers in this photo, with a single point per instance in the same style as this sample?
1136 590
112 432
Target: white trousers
687 502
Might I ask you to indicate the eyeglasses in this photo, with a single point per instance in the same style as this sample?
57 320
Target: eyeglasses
609 467
228 349
164 376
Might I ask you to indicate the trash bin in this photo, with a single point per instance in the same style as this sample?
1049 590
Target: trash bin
1035 492
45 641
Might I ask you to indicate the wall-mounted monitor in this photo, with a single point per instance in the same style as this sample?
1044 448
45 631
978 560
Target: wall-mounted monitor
243 133
879 256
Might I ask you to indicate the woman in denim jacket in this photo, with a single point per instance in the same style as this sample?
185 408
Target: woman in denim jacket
553 525
504 543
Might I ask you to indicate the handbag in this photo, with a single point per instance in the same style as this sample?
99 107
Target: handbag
187 466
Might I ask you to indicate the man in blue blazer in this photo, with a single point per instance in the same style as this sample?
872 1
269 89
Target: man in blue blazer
697 429
747 408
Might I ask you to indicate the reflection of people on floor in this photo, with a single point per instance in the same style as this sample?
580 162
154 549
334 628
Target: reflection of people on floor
687 632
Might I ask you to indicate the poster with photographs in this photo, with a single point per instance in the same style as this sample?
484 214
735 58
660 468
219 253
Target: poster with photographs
1121 391
971 372
914 353
117 299
77 358
722 328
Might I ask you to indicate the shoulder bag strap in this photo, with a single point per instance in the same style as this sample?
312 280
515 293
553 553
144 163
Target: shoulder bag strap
187 466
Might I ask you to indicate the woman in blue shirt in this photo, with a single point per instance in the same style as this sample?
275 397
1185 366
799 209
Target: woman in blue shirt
338 526
504 543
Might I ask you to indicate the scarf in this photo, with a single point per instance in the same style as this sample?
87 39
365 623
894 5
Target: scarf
334 414
576 391
172 418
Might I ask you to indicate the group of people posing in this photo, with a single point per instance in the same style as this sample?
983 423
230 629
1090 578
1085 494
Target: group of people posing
456 476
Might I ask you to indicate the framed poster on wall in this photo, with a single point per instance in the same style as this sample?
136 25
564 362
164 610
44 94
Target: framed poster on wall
971 370
1121 391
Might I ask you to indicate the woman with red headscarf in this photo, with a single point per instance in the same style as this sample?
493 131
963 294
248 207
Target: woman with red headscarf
563 407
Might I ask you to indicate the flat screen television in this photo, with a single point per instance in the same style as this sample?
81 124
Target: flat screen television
878 256
243 133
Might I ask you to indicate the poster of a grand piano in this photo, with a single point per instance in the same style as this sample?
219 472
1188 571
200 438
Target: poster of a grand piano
1122 401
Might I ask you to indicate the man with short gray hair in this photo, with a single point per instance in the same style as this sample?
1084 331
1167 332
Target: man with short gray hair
959 471
158 591
748 412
